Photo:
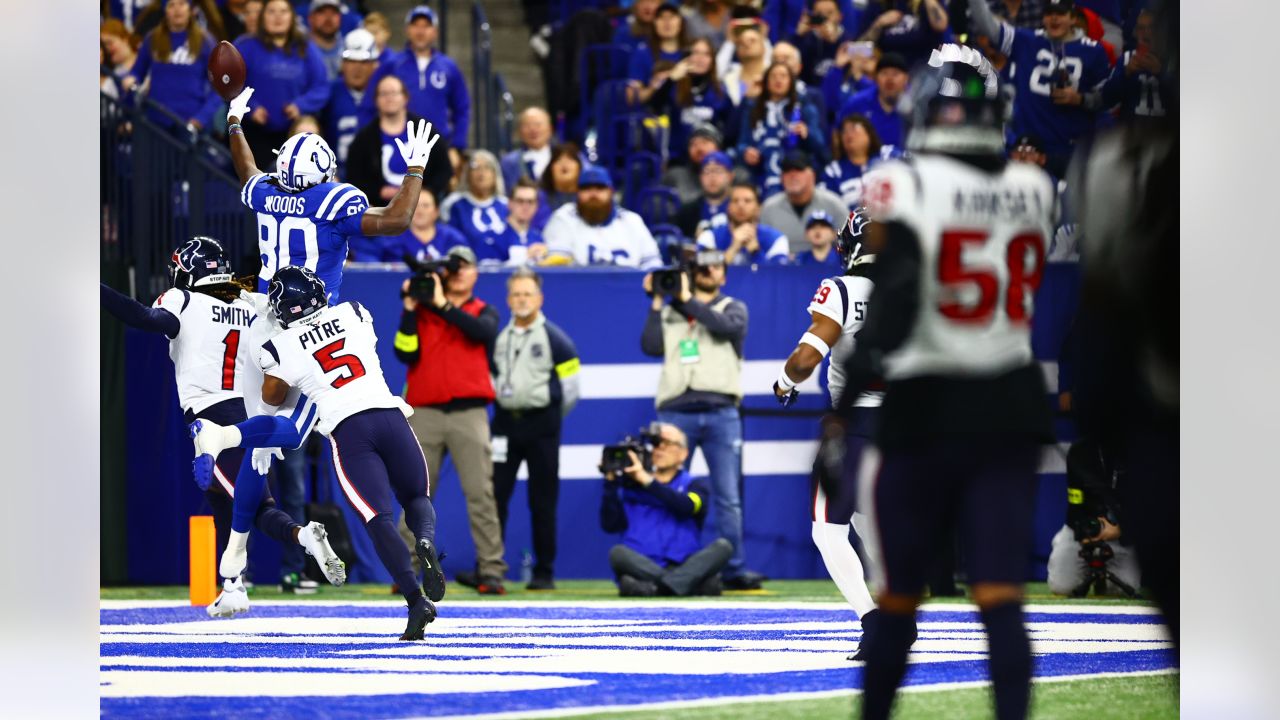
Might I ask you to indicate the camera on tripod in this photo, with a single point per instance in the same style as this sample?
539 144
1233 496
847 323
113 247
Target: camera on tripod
689 261
422 286
616 458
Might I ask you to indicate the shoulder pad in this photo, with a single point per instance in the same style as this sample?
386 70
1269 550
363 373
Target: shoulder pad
340 198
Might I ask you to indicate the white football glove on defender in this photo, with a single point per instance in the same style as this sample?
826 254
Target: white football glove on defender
239 107
262 458
416 148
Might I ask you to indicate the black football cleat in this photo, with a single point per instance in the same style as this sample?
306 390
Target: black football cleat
422 613
868 629
432 575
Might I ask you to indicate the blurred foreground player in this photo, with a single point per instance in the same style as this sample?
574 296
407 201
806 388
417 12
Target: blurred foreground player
329 353
205 321
959 240
838 309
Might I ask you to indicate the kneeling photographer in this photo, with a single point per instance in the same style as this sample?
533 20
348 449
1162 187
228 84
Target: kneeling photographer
658 507
444 338
1090 550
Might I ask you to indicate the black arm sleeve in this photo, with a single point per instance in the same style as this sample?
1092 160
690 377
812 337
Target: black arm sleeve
135 314
406 345
728 325
891 309
613 519
680 504
482 329
651 338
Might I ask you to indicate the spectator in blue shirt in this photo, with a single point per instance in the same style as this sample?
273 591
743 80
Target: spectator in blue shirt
174 56
652 63
810 94
287 75
820 231
377 23
777 121
910 28
711 208
743 240
634 31
324 19
523 237
346 112
818 43
437 89
856 146
880 105
691 96
426 239
850 73
478 209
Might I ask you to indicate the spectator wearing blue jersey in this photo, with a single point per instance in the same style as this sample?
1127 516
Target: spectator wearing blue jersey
695 97
523 238
880 105
1058 78
377 23
743 240
820 231
810 94
1026 14
856 147
634 31
818 42
850 73
287 75
652 63
437 89
324 20
346 114
172 59
712 207
374 165
777 122
426 239
1139 84
910 28
479 209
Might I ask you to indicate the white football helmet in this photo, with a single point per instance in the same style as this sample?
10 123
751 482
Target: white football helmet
304 161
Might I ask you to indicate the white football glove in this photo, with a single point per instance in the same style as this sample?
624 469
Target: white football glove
239 107
418 143
262 458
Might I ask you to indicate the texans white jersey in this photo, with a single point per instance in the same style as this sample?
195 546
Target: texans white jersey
332 358
210 351
982 243
844 300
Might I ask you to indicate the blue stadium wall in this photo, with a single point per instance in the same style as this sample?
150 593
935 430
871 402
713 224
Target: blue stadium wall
603 310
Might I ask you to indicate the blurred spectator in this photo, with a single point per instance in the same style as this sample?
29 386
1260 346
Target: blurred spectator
304 123
533 155
709 19
437 89
377 23
743 240
233 18
593 231
204 13
685 178
1055 98
426 239
794 17
1019 13
660 515
374 162
445 344
800 196
1087 22
126 12
117 48
634 32
478 209
777 122
820 231
910 29
324 19
172 60
818 41
560 182
696 96
849 75
287 76
856 146
652 63
744 78
1138 84
710 209
880 105
346 112
1064 246
523 239
106 79
252 17
810 93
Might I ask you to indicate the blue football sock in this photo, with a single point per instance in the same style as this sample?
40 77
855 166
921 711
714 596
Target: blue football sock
249 489
268 431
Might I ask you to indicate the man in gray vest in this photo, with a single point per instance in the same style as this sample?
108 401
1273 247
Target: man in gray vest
535 371
699 336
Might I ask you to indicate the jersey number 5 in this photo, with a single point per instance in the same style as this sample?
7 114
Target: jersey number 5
953 274
331 361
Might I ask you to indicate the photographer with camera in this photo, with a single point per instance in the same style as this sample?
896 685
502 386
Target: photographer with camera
445 333
658 507
1089 550
699 334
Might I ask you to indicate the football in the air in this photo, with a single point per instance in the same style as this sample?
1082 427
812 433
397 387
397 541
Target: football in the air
226 70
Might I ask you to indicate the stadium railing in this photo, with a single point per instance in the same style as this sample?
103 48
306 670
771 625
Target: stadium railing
482 96
505 116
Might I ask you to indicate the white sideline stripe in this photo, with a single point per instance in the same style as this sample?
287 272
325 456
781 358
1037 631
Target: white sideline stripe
1083 607
617 381
759 457
777 697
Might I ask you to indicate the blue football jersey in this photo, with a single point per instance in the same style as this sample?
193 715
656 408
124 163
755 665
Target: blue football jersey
309 228
1037 62
483 224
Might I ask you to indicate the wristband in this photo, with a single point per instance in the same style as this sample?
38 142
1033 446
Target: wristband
816 343
412 174
233 126
785 382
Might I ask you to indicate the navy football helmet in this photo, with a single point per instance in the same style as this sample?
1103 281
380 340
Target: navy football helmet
849 241
199 261
956 105
295 293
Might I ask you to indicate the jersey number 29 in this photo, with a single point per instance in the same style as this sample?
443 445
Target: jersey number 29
953 274
331 361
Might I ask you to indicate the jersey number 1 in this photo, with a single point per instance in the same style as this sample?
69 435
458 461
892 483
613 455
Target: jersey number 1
330 361
232 343
1023 280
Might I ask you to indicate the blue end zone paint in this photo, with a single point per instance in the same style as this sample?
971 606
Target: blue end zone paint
616 689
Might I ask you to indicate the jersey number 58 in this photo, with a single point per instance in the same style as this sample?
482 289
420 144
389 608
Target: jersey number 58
1024 257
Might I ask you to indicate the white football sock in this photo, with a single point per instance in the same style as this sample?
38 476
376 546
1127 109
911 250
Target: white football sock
236 556
843 565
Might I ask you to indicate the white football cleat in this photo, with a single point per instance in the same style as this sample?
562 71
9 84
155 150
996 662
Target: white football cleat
233 600
316 542
212 438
